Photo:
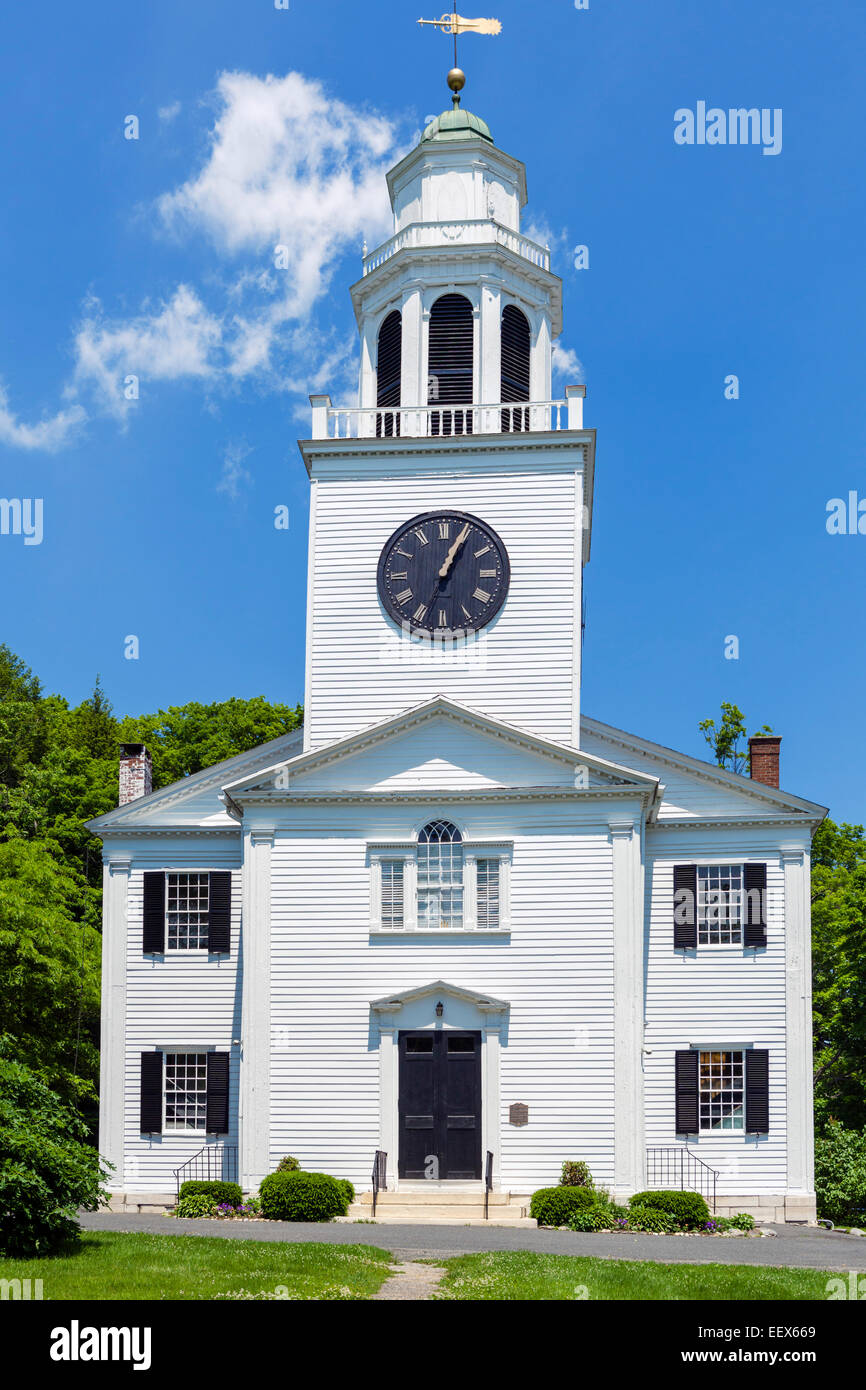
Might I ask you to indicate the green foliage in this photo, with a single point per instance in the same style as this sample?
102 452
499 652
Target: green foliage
184 739
349 1191
196 1204
599 1218
47 1172
553 1206
743 1221
641 1218
839 974
688 1208
216 1191
724 738
301 1196
840 1173
575 1175
287 1165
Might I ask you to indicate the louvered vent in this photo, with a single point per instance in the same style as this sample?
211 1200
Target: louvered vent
515 366
450 364
388 373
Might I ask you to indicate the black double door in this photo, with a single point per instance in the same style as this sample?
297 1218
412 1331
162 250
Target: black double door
440 1105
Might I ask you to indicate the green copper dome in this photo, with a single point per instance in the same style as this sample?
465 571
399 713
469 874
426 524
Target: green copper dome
457 124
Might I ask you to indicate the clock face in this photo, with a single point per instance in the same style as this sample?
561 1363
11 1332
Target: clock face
444 572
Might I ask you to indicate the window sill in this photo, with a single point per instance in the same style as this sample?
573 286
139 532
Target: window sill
440 931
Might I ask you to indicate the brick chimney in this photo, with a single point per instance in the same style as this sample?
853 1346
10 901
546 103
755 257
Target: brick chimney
764 759
136 772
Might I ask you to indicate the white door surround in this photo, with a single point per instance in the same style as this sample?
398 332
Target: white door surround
416 1009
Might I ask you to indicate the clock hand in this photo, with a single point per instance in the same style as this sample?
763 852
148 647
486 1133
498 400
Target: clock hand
449 558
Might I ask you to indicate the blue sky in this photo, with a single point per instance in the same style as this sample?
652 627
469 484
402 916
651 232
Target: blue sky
154 257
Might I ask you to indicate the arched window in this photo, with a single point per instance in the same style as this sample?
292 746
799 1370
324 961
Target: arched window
514 379
388 359
449 364
440 875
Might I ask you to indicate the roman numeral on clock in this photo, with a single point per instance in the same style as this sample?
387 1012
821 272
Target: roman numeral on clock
419 612
403 596
482 595
422 538
444 530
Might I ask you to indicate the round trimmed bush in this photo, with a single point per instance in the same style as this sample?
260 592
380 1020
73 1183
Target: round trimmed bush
553 1206
688 1209
300 1196
216 1192
196 1204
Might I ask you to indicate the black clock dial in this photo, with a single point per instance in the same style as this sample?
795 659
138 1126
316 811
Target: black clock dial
444 572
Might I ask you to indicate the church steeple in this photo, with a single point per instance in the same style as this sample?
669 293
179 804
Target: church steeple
459 297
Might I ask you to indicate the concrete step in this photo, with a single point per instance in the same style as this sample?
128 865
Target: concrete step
437 1196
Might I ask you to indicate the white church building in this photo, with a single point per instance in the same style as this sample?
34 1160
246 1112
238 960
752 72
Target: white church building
454 930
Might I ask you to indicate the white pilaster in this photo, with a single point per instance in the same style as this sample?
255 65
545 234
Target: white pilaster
629 1149
413 389
254 1117
798 1021
112 1064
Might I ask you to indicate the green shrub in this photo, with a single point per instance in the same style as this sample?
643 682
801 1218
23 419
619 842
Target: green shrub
688 1208
575 1175
217 1192
592 1219
840 1174
47 1172
300 1196
348 1189
743 1221
196 1204
651 1219
615 1210
552 1206
287 1165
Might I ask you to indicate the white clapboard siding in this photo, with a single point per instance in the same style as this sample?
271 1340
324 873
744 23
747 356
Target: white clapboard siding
717 995
181 1001
556 972
362 671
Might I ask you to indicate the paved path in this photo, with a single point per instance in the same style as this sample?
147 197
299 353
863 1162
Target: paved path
410 1281
793 1246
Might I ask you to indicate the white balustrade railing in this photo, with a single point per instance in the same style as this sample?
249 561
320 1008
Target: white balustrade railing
470 232
430 421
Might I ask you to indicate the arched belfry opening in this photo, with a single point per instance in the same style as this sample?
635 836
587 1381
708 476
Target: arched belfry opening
514 381
449 364
388 359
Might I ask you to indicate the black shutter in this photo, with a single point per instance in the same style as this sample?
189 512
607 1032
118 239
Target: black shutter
449 363
153 921
685 906
686 1086
514 371
219 917
217 1116
757 1091
151 1093
388 366
755 925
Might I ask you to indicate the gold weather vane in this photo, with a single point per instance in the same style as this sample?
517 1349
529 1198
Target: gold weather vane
455 24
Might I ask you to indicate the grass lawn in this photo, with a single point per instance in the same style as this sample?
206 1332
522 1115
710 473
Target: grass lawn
107 1265
523 1275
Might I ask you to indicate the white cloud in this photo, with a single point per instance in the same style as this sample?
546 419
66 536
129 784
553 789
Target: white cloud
169 113
566 363
234 476
48 434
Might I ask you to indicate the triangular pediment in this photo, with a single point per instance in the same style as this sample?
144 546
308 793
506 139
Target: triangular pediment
439 745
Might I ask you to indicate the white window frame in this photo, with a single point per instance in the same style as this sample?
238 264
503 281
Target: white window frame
728 863
731 1131
182 1052
182 950
473 850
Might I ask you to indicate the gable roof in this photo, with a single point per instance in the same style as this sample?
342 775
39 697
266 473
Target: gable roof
766 800
198 784
440 708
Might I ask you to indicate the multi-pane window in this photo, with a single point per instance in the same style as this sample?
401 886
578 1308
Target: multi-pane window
720 900
440 876
392 871
187 911
720 1093
185 1090
487 892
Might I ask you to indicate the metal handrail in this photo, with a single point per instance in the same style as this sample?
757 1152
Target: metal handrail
213 1163
488 1181
676 1164
380 1175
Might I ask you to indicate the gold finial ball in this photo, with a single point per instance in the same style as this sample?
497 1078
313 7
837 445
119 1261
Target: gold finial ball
457 79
